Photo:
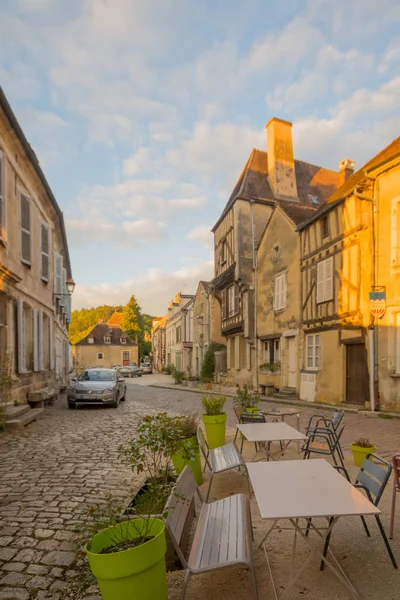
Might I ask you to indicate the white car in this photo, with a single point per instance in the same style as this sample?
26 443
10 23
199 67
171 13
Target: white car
146 368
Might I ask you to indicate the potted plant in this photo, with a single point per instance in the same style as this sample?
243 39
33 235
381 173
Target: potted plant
178 376
127 557
189 453
214 419
360 449
193 381
247 400
274 367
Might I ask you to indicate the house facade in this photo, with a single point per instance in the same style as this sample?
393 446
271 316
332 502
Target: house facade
350 290
269 179
179 332
206 324
106 345
35 305
158 342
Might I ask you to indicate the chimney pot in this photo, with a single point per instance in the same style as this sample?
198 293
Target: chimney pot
346 169
281 168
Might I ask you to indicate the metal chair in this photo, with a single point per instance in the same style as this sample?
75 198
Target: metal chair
372 479
396 488
247 417
238 408
324 425
326 443
223 458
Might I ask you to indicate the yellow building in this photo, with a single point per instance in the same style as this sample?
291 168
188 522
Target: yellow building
158 342
350 290
179 333
206 324
35 269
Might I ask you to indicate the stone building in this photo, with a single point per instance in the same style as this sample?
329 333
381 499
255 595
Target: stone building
206 324
179 332
158 342
35 269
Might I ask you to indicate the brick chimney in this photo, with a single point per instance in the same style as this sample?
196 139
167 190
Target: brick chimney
281 172
346 168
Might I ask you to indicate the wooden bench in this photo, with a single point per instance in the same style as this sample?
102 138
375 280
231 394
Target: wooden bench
221 459
39 398
223 535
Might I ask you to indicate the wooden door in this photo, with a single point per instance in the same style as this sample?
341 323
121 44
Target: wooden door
292 362
357 381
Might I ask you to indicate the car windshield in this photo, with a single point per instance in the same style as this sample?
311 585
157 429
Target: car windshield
97 375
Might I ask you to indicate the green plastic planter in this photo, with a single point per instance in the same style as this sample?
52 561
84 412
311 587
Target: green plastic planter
135 574
252 409
215 429
360 453
180 462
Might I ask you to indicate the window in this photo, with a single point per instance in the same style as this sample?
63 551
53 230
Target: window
58 269
232 300
99 356
107 339
272 351
25 228
178 335
223 253
313 346
123 340
2 196
90 340
314 199
325 280
395 233
44 251
324 227
280 292
126 355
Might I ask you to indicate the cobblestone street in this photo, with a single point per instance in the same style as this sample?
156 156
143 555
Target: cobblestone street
68 459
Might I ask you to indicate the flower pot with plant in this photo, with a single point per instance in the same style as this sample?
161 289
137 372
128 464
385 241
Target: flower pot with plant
189 453
214 419
178 376
248 401
360 449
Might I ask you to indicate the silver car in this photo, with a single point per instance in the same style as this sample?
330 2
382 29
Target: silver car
146 368
97 386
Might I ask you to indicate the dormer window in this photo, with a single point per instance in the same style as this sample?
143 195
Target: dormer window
90 340
107 339
123 340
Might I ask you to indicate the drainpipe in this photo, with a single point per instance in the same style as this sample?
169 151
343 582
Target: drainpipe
255 282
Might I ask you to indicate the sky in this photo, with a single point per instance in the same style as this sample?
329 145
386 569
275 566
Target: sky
143 113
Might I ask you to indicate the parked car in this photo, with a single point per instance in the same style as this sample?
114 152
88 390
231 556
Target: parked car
146 368
131 371
132 364
117 367
96 386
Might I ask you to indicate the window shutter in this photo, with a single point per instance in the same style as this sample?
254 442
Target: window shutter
63 286
26 229
51 343
328 285
58 274
40 341
35 339
223 305
21 336
284 291
276 294
2 196
44 251
236 298
320 282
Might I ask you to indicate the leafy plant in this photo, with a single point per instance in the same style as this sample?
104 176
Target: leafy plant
178 376
363 443
193 378
213 405
187 424
246 398
5 384
272 367
208 366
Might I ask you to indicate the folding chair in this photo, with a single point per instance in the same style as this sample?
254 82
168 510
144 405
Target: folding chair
223 458
326 443
396 488
324 425
239 410
372 479
251 418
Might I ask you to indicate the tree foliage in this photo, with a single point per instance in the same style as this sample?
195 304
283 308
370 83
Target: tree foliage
208 366
134 323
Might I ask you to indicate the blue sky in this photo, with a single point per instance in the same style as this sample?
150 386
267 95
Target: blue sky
143 113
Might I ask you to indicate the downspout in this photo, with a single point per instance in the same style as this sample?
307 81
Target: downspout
373 329
255 285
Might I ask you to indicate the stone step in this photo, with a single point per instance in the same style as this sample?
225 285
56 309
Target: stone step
282 396
288 391
14 412
25 419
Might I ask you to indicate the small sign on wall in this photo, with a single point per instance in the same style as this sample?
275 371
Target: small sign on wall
377 303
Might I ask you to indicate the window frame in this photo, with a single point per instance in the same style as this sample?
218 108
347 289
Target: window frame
122 340
272 347
321 283
280 293
90 339
3 203
100 356
107 339
126 355
24 261
324 227
315 347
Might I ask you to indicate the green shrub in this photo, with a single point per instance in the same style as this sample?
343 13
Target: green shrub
246 398
208 366
363 443
213 405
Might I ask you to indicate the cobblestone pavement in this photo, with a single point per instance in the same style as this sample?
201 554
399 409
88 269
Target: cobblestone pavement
68 459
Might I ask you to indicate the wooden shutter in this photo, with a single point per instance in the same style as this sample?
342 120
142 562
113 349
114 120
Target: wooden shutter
40 340
328 283
320 282
21 336
51 343
26 229
223 305
35 339
2 196
63 296
283 291
58 274
44 251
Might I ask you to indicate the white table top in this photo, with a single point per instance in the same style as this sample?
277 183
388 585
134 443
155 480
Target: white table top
270 432
285 412
305 488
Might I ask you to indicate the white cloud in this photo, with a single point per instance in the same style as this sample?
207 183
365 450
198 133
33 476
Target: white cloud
122 234
203 234
153 289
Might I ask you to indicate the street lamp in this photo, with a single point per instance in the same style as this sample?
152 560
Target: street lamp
70 287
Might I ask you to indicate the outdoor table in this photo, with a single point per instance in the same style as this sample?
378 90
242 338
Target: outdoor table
306 489
270 432
283 412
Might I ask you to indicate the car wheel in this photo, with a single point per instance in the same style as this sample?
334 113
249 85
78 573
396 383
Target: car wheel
115 403
71 404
